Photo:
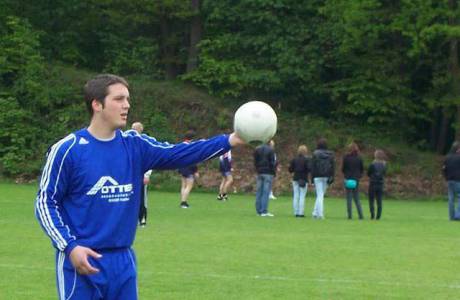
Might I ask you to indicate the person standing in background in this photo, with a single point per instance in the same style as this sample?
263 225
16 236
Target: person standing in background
323 170
265 164
352 168
225 168
139 128
376 173
272 196
300 167
188 175
451 172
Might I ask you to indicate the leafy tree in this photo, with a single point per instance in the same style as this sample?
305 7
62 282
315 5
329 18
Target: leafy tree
22 97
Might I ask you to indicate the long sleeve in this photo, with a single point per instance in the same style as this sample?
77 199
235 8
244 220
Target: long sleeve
163 156
53 186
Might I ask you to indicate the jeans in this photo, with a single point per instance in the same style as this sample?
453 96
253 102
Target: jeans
320 187
264 186
298 198
353 193
375 191
453 191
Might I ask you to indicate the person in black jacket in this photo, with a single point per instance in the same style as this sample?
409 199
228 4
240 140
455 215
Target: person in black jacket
323 170
352 169
376 173
265 164
451 172
300 167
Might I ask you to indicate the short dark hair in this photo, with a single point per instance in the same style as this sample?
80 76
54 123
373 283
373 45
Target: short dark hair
190 134
321 143
97 88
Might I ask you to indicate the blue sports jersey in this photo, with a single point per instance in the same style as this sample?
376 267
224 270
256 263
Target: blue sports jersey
90 189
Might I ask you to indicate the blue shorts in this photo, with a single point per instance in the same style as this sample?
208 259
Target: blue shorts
226 173
116 278
189 176
187 172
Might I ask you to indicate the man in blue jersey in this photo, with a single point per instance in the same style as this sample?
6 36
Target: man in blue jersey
89 195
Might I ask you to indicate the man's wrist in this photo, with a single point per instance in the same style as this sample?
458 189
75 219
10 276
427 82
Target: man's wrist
70 246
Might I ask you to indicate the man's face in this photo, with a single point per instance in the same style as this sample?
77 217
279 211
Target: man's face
116 106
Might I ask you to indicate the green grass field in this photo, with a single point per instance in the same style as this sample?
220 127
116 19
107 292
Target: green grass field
220 250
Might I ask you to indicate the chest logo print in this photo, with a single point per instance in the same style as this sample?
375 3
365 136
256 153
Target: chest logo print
112 188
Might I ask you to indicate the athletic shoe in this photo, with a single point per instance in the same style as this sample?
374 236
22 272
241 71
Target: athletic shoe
220 197
184 205
267 215
271 196
225 197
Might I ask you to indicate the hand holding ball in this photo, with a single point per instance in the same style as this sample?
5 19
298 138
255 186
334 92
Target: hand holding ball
255 121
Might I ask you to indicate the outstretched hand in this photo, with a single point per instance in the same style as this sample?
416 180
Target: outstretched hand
79 259
235 140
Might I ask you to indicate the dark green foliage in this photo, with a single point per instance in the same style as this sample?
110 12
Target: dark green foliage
384 64
22 96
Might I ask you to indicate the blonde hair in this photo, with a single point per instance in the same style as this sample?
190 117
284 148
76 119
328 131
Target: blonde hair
302 150
379 156
353 148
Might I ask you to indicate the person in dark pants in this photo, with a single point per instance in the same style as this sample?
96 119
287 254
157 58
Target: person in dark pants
451 172
144 199
376 173
139 128
265 164
353 169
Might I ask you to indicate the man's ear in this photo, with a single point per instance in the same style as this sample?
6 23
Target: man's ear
96 105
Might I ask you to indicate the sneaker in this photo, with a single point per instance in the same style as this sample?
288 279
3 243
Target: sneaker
220 197
267 214
225 197
184 205
272 197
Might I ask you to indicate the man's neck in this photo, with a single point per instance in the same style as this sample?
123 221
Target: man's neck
100 131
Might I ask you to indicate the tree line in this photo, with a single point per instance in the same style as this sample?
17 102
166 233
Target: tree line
388 64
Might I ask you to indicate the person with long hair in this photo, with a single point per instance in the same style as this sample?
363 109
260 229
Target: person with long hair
352 168
300 167
376 173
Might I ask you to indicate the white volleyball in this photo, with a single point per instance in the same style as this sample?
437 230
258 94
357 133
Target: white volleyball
255 121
